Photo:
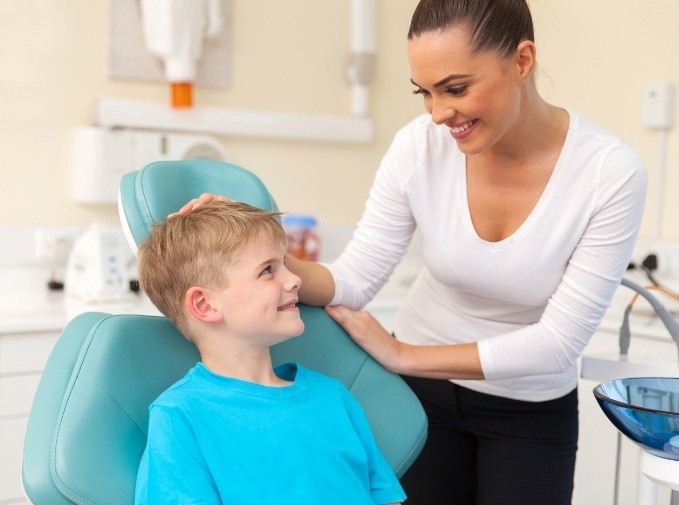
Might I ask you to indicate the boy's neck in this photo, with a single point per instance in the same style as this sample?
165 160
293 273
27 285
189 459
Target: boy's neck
251 365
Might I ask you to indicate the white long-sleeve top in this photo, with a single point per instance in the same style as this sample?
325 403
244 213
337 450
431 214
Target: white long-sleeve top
533 300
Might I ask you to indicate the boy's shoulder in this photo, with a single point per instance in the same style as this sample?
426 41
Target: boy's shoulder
326 389
312 377
174 395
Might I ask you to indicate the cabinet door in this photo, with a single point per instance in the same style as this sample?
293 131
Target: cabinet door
22 359
12 432
16 394
25 352
595 461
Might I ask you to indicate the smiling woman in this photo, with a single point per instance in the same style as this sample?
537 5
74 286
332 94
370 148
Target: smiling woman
528 215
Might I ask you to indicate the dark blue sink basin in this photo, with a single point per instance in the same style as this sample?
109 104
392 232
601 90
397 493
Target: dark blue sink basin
646 410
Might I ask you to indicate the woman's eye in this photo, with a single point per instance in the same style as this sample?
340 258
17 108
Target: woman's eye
458 90
455 91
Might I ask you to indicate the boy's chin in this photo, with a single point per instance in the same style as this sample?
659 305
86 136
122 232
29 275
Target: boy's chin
294 332
300 331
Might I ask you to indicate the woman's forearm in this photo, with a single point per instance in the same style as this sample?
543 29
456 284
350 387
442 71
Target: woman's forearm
318 286
454 361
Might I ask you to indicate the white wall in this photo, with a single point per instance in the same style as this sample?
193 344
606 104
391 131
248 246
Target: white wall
289 56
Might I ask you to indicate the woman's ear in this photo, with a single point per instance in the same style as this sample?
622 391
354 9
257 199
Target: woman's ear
526 54
198 304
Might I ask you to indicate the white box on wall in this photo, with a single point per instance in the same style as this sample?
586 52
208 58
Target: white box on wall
658 105
103 155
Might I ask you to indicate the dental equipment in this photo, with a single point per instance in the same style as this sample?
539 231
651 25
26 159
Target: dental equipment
174 31
661 311
361 66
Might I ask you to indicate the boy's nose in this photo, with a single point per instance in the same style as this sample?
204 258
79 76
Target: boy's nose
294 282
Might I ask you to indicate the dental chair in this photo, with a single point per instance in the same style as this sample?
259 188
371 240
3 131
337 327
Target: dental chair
87 427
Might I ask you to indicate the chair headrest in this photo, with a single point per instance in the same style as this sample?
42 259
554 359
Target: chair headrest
148 195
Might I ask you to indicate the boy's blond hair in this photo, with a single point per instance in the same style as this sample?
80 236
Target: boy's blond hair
197 249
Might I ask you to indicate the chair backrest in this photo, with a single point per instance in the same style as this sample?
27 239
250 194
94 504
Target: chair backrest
87 427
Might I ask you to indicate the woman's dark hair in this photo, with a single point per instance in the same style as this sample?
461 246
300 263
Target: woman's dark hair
494 25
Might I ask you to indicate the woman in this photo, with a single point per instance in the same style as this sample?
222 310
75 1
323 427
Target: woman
528 215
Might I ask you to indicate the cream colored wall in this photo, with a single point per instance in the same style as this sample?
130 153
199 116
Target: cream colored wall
596 57
289 56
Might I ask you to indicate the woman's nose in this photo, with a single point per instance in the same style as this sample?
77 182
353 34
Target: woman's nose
441 111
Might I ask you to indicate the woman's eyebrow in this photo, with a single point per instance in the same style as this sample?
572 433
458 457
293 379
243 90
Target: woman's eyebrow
445 80
451 77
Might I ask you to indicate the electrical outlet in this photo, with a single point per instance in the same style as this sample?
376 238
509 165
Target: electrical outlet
666 252
53 245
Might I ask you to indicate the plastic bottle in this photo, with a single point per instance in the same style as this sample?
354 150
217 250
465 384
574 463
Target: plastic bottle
303 241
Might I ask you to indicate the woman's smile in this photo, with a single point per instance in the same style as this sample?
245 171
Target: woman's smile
461 130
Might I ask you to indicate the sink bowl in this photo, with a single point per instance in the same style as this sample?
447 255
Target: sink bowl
646 410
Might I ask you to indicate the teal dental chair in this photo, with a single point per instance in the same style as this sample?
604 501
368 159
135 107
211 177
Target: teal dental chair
87 427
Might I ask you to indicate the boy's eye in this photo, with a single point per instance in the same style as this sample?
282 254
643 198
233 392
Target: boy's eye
266 271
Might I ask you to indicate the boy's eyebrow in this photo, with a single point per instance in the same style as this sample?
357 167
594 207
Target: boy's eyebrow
268 262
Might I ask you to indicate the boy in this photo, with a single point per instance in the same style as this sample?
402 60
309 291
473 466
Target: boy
234 430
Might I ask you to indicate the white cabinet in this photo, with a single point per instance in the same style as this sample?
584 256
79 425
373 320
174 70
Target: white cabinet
22 358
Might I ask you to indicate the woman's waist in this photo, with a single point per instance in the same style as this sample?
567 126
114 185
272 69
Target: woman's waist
433 313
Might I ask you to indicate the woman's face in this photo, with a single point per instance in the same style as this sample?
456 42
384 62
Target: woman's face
476 96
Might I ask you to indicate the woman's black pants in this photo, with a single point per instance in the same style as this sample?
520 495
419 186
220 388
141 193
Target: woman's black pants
488 450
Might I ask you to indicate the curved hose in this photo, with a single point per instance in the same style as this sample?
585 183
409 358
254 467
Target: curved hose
661 311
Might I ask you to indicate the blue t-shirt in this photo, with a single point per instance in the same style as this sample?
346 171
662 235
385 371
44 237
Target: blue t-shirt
214 439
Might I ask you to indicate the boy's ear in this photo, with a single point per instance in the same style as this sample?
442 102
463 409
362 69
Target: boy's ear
198 304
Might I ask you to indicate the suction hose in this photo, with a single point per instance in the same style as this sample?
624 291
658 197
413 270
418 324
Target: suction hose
661 311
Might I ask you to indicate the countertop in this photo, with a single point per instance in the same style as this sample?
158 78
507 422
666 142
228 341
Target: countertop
27 305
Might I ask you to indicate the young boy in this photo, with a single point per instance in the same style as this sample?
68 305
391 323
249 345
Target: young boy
234 430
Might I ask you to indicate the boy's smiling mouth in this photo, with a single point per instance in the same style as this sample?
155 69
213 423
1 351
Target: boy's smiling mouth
288 306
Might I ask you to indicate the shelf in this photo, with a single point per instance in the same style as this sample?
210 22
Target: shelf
121 113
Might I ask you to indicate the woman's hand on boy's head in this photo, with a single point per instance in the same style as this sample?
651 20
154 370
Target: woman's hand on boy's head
197 202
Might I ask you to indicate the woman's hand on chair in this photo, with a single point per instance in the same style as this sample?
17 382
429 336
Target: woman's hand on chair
368 333
197 202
